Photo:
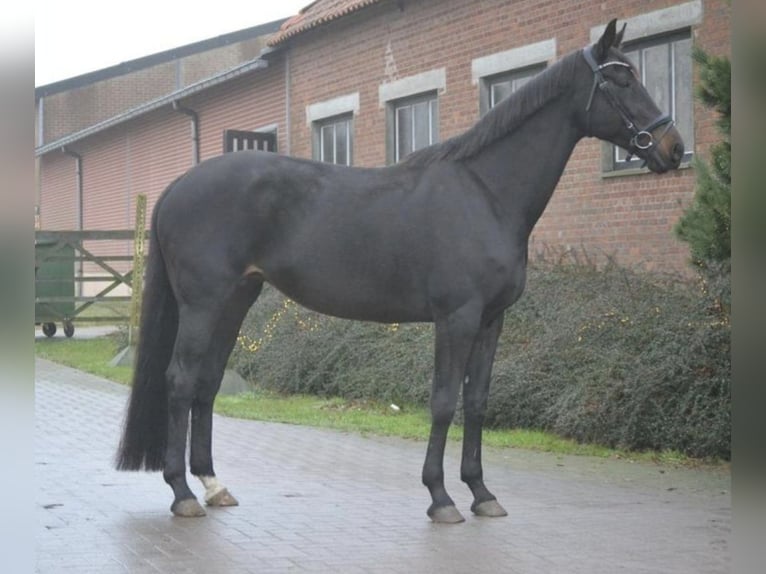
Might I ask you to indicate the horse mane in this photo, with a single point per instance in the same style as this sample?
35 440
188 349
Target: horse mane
504 118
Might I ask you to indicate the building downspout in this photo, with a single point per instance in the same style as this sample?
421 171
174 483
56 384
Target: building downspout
288 91
38 143
78 184
80 205
194 129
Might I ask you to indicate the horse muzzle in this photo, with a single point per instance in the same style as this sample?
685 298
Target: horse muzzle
662 149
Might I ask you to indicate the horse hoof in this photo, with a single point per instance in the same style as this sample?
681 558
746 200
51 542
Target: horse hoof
187 508
222 498
445 515
490 508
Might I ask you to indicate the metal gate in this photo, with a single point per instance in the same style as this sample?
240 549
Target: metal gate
63 289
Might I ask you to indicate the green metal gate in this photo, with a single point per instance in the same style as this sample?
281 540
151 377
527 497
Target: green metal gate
59 256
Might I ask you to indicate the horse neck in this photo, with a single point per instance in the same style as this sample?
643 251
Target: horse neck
523 168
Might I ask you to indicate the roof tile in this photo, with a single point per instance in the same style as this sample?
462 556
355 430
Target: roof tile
316 14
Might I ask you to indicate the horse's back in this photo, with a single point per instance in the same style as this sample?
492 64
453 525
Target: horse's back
368 243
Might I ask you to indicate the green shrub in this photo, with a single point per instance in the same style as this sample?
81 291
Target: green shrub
616 358
605 356
287 348
706 223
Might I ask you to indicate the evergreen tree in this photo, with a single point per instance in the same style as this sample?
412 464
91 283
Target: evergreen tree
706 224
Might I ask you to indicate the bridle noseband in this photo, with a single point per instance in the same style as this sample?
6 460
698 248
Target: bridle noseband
642 138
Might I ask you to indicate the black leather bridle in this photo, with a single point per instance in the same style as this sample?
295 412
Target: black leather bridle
642 139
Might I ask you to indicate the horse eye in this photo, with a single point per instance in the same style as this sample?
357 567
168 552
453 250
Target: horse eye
622 78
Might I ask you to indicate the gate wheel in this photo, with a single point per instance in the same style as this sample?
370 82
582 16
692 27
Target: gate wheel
49 329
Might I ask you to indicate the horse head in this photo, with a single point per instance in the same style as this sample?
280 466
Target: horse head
620 110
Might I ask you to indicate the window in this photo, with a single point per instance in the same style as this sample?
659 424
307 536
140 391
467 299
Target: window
500 74
333 140
415 124
665 67
412 112
332 126
237 140
496 88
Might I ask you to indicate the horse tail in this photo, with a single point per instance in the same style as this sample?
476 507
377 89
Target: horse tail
144 435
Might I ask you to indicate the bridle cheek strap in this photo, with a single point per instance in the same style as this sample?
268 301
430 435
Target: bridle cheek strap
642 139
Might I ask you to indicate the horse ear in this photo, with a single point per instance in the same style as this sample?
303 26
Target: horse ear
621 33
601 49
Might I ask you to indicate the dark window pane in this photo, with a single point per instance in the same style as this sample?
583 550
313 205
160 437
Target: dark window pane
403 131
328 133
341 143
415 125
434 109
422 131
500 91
634 56
521 80
658 76
502 86
684 104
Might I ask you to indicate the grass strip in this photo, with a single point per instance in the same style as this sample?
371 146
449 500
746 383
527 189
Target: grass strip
366 417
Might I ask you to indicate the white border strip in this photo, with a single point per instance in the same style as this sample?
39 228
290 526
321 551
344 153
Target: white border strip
514 59
413 85
657 22
334 107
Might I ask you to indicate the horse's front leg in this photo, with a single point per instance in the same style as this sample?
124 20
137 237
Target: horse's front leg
475 393
455 336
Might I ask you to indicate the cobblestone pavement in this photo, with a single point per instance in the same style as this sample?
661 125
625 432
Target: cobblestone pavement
322 501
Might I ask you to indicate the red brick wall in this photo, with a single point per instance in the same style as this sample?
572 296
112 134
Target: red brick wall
630 218
145 154
58 192
204 64
248 103
67 112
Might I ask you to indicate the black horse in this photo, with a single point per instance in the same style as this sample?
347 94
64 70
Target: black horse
441 237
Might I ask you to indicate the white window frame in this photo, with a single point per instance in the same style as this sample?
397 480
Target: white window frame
407 91
433 121
321 115
321 127
486 70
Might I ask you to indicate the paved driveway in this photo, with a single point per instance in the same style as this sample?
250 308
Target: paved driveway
322 501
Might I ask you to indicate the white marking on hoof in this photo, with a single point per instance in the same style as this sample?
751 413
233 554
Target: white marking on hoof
212 486
216 494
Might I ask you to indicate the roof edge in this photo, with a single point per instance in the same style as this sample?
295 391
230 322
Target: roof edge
158 58
230 74
305 21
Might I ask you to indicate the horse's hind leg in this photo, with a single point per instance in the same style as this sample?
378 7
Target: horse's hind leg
183 375
475 393
206 335
201 457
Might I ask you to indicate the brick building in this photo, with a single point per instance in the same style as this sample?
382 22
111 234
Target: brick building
364 82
